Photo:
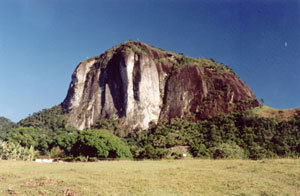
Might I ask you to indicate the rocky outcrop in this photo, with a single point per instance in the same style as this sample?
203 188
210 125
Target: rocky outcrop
138 84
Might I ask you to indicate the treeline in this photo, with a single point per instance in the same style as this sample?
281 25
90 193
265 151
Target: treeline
47 133
238 135
67 145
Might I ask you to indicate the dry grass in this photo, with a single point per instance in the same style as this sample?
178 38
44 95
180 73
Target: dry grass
279 115
166 177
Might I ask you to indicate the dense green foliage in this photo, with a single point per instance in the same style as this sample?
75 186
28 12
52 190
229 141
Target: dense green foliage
48 132
238 135
51 119
111 125
242 134
5 126
45 130
25 136
42 140
102 144
228 151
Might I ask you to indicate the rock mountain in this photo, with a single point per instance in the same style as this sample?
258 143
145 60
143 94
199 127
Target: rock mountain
139 84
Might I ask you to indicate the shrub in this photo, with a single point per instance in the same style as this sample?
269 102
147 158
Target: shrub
228 151
257 152
199 150
176 155
56 152
81 158
102 144
9 150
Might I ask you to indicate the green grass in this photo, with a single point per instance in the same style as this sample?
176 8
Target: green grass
166 177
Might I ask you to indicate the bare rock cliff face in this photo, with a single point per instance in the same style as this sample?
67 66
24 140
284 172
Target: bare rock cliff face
138 84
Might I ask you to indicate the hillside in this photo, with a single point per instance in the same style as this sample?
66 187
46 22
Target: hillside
5 126
138 84
279 115
52 118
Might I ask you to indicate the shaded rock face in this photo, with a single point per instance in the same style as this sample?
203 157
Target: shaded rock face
196 93
138 84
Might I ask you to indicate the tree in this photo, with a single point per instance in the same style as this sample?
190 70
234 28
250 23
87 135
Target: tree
66 141
25 136
5 126
102 144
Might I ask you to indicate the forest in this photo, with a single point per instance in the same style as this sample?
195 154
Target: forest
242 135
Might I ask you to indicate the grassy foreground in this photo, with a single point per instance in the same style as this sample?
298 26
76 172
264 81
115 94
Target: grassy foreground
165 177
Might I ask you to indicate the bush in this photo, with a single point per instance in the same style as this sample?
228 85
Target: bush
176 155
228 151
257 152
81 158
199 150
9 150
56 152
100 143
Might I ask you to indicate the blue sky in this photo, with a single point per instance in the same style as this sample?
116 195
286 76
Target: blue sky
42 42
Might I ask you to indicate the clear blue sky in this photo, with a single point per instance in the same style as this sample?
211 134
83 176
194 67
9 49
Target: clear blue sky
41 43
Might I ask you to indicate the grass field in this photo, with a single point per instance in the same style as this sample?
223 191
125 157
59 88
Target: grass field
165 177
